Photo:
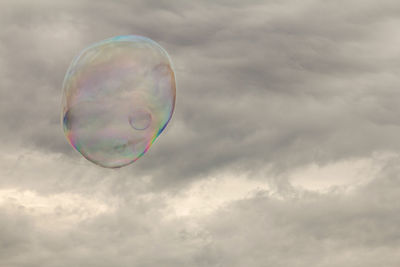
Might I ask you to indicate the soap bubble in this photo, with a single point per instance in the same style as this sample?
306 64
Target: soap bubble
118 96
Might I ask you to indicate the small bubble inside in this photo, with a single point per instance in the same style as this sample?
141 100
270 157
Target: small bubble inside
140 119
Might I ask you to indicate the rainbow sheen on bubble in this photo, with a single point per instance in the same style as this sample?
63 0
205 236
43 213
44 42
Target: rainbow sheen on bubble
118 96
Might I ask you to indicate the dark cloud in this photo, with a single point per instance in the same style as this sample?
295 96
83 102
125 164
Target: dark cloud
281 83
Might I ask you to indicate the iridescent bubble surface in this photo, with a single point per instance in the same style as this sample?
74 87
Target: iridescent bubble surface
118 96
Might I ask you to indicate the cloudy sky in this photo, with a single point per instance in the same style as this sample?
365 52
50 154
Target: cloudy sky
283 150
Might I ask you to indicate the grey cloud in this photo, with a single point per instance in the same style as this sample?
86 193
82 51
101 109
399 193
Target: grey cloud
277 83
263 88
302 229
320 230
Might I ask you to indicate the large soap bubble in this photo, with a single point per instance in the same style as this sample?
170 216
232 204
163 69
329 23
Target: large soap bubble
118 96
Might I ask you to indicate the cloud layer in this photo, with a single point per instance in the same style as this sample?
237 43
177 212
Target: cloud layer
283 149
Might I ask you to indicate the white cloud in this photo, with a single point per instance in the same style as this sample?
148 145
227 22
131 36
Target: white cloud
208 195
346 174
57 210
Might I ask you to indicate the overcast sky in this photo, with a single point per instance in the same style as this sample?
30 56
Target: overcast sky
283 150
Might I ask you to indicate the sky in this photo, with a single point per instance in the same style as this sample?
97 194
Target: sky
283 149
